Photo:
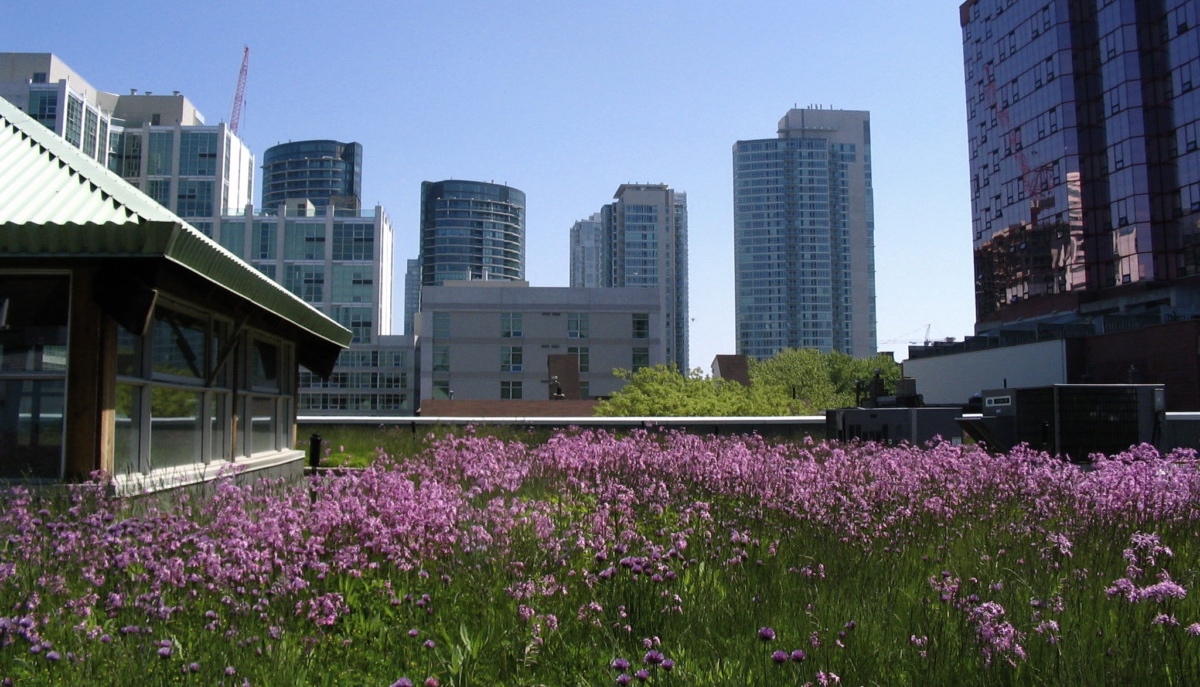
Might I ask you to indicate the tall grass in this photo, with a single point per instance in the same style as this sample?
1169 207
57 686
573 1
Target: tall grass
590 559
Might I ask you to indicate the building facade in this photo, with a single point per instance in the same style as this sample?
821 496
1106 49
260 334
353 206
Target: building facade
159 143
803 231
471 230
499 340
640 241
340 263
131 343
322 172
588 265
45 88
1084 122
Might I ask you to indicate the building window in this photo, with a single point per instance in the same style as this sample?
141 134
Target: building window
33 374
577 325
583 355
641 358
510 325
512 359
441 325
441 389
510 390
441 358
641 326
175 400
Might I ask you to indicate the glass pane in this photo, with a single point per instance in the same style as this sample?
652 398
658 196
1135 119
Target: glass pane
262 424
33 323
175 427
31 428
265 361
218 448
128 429
179 345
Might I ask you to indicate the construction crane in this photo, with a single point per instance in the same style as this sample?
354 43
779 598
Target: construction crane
235 117
1035 181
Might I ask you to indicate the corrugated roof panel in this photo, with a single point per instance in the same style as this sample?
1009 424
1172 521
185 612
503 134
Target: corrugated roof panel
56 201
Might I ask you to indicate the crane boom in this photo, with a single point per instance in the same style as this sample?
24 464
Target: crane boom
235 117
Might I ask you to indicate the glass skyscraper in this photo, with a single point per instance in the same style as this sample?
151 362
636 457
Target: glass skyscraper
1084 120
471 230
640 240
321 172
803 233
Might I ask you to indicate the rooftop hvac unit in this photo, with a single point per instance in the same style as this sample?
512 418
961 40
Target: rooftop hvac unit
1071 420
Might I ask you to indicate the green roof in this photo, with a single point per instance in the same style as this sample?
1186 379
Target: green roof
57 202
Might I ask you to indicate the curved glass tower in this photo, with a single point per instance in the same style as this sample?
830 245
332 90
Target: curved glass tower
471 230
321 172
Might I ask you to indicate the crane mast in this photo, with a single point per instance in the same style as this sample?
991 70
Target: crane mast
235 117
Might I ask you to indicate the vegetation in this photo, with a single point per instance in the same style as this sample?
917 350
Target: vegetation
794 382
654 558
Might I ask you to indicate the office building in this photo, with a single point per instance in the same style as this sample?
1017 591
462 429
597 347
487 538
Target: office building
45 88
640 241
412 293
321 172
803 233
498 340
471 230
157 142
161 144
588 265
1085 171
340 263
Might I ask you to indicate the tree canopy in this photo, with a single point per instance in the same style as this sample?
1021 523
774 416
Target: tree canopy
794 382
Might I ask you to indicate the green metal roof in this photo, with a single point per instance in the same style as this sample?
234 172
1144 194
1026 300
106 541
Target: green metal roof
57 202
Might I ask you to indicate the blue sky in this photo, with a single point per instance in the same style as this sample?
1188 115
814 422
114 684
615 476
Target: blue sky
568 100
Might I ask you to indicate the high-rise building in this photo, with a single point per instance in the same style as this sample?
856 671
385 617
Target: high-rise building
45 88
803 233
471 230
340 263
640 240
159 143
587 252
1084 122
321 172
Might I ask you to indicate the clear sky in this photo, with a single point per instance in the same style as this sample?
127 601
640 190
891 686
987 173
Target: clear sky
566 100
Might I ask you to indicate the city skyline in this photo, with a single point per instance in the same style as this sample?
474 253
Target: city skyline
525 95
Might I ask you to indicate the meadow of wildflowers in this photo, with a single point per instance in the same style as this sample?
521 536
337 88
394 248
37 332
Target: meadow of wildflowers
591 559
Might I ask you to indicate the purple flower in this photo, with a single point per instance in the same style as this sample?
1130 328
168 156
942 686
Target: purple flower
624 679
642 675
780 656
766 634
414 632
798 655
668 664
619 664
164 651
653 658
53 656
431 682
429 643
403 682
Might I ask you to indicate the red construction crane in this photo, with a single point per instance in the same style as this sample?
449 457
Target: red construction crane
1036 181
235 118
